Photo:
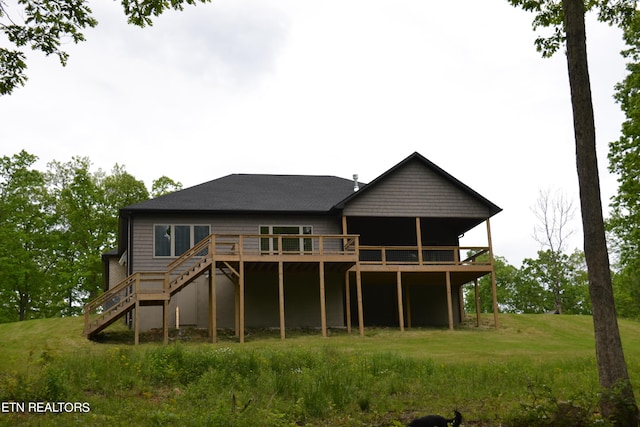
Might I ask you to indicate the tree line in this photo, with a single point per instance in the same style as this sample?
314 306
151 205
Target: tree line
556 280
54 227
55 224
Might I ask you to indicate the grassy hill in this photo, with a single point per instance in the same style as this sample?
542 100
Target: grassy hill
522 374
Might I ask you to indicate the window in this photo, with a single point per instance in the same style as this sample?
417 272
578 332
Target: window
291 244
174 240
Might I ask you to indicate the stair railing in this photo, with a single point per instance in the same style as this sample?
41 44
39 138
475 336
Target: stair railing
184 262
110 301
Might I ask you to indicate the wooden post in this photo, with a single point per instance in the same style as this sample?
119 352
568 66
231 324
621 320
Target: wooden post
136 324
461 303
477 296
400 310
241 302
213 325
165 321
407 292
359 297
493 277
323 302
419 240
281 297
347 297
449 303
495 299
347 287
213 310
165 308
236 312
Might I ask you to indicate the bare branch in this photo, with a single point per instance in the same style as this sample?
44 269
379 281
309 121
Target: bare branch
554 211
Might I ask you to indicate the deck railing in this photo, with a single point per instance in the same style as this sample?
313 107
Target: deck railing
425 255
284 244
327 244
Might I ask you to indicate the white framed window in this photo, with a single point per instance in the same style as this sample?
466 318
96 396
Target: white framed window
172 240
289 244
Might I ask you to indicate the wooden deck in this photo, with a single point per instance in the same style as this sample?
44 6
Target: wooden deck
232 253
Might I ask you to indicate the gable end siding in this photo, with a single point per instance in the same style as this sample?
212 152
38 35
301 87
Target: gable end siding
416 191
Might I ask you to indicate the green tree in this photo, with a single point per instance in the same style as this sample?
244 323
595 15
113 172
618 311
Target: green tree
567 19
532 287
505 286
84 228
45 25
26 235
164 185
54 227
120 189
626 288
624 160
550 281
87 207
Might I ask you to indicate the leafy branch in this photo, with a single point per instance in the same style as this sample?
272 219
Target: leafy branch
46 23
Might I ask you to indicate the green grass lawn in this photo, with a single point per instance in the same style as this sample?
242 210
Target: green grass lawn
519 375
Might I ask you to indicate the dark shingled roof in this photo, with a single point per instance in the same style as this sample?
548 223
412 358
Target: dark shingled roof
255 193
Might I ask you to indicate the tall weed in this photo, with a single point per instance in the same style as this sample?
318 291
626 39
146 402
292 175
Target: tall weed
310 382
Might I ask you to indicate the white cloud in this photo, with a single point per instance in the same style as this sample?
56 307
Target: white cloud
334 87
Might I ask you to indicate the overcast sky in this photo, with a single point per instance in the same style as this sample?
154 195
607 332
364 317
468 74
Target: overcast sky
332 87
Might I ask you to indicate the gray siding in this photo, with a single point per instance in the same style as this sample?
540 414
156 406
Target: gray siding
302 300
301 293
416 191
143 259
117 272
193 302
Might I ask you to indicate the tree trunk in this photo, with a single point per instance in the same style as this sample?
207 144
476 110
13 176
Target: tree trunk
618 401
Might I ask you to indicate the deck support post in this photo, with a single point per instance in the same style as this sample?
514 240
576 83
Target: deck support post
495 299
136 324
347 288
236 312
323 302
419 240
407 292
359 298
241 301
477 297
165 322
213 325
461 303
494 291
400 308
347 300
281 297
449 302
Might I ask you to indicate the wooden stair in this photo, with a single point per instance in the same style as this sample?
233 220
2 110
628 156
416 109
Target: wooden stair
146 288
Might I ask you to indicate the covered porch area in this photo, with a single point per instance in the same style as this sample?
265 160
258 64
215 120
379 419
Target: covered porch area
408 297
411 271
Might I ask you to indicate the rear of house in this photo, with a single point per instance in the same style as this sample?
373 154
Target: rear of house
302 251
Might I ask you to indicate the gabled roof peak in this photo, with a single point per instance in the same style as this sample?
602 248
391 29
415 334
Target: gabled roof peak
415 156
283 193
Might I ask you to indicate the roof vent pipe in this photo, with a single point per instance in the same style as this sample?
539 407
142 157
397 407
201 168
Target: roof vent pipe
356 187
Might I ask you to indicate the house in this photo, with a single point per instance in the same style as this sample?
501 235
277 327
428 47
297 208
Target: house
286 251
